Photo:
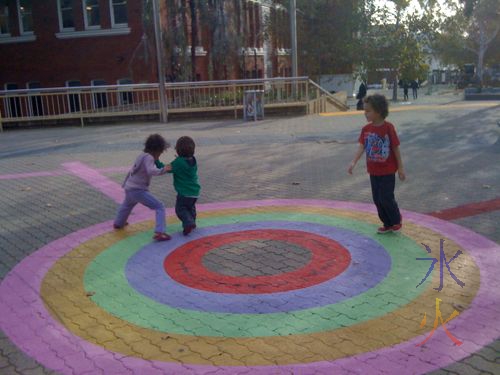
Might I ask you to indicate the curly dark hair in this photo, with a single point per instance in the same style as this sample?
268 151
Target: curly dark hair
185 147
155 143
379 104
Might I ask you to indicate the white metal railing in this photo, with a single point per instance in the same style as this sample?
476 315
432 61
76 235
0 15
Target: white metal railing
143 99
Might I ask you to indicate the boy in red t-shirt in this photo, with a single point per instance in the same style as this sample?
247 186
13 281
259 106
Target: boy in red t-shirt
380 142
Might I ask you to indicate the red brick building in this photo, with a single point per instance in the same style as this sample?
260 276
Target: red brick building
54 43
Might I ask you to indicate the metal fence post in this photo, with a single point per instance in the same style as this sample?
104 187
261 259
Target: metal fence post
160 63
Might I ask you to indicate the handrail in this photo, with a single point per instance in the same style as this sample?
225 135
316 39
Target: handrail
335 101
49 104
153 85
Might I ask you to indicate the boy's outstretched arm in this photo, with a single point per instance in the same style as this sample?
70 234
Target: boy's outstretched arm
359 152
401 169
163 168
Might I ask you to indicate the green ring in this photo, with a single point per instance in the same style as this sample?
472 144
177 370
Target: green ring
120 300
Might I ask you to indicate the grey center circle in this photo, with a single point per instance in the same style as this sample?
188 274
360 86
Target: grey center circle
256 258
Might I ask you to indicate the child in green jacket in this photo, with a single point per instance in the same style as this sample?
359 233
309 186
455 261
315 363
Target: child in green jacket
185 171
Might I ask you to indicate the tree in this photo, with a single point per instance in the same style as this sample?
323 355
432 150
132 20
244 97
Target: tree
194 36
470 33
483 28
176 40
327 42
393 39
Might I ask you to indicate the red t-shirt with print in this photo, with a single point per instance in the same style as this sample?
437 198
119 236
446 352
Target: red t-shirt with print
379 142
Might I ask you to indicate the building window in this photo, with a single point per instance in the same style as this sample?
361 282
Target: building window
73 99
35 101
99 98
91 14
12 103
119 15
66 17
25 16
125 97
4 18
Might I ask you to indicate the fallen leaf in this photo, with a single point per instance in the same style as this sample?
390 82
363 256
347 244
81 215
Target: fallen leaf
26 189
90 294
458 307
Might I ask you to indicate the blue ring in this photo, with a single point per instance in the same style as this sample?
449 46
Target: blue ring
370 264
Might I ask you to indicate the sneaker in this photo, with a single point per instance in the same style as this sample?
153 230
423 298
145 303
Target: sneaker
396 228
384 230
161 237
118 227
188 229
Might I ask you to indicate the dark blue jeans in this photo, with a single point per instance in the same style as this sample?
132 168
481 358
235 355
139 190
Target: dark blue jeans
185 210
383 197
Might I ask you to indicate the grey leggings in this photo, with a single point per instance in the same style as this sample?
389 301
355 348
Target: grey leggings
132 197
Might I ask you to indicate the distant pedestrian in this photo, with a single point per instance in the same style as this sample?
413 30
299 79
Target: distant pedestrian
185 171
136 186
360 96
383 159
405 90
414 88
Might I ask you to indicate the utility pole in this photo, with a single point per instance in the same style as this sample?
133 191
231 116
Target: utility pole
159 62
293 32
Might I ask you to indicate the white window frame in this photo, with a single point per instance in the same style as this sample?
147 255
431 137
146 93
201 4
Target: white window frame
112 13
92 33
20 19
59 12
7 34
86 21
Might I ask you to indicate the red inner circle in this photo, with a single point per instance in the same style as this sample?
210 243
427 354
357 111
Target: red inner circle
329 259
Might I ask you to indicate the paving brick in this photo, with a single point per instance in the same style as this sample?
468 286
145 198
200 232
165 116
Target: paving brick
283 158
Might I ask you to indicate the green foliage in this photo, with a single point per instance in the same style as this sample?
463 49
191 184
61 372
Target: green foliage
395 39
327 41
471 34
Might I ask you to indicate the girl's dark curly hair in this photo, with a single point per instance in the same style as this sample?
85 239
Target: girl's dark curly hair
185 147
155 143
379 104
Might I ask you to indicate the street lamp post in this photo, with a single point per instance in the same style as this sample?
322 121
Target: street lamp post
293 32
159 62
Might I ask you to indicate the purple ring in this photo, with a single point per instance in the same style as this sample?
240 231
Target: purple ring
25 320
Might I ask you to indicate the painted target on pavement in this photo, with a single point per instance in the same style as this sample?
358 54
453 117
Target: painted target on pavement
278 286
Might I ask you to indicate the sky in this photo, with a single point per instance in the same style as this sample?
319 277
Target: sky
414 5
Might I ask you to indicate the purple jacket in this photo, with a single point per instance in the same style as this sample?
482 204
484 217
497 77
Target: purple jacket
141 172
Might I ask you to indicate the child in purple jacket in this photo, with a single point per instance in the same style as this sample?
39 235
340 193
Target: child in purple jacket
136 186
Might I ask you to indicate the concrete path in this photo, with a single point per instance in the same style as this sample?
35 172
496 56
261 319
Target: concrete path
285 273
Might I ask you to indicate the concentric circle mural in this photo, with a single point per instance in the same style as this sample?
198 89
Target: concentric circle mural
281 286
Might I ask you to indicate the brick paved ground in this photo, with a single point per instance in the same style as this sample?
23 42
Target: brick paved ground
451 151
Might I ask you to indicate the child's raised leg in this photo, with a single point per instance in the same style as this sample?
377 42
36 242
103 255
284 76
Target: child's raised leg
148 200
125 210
